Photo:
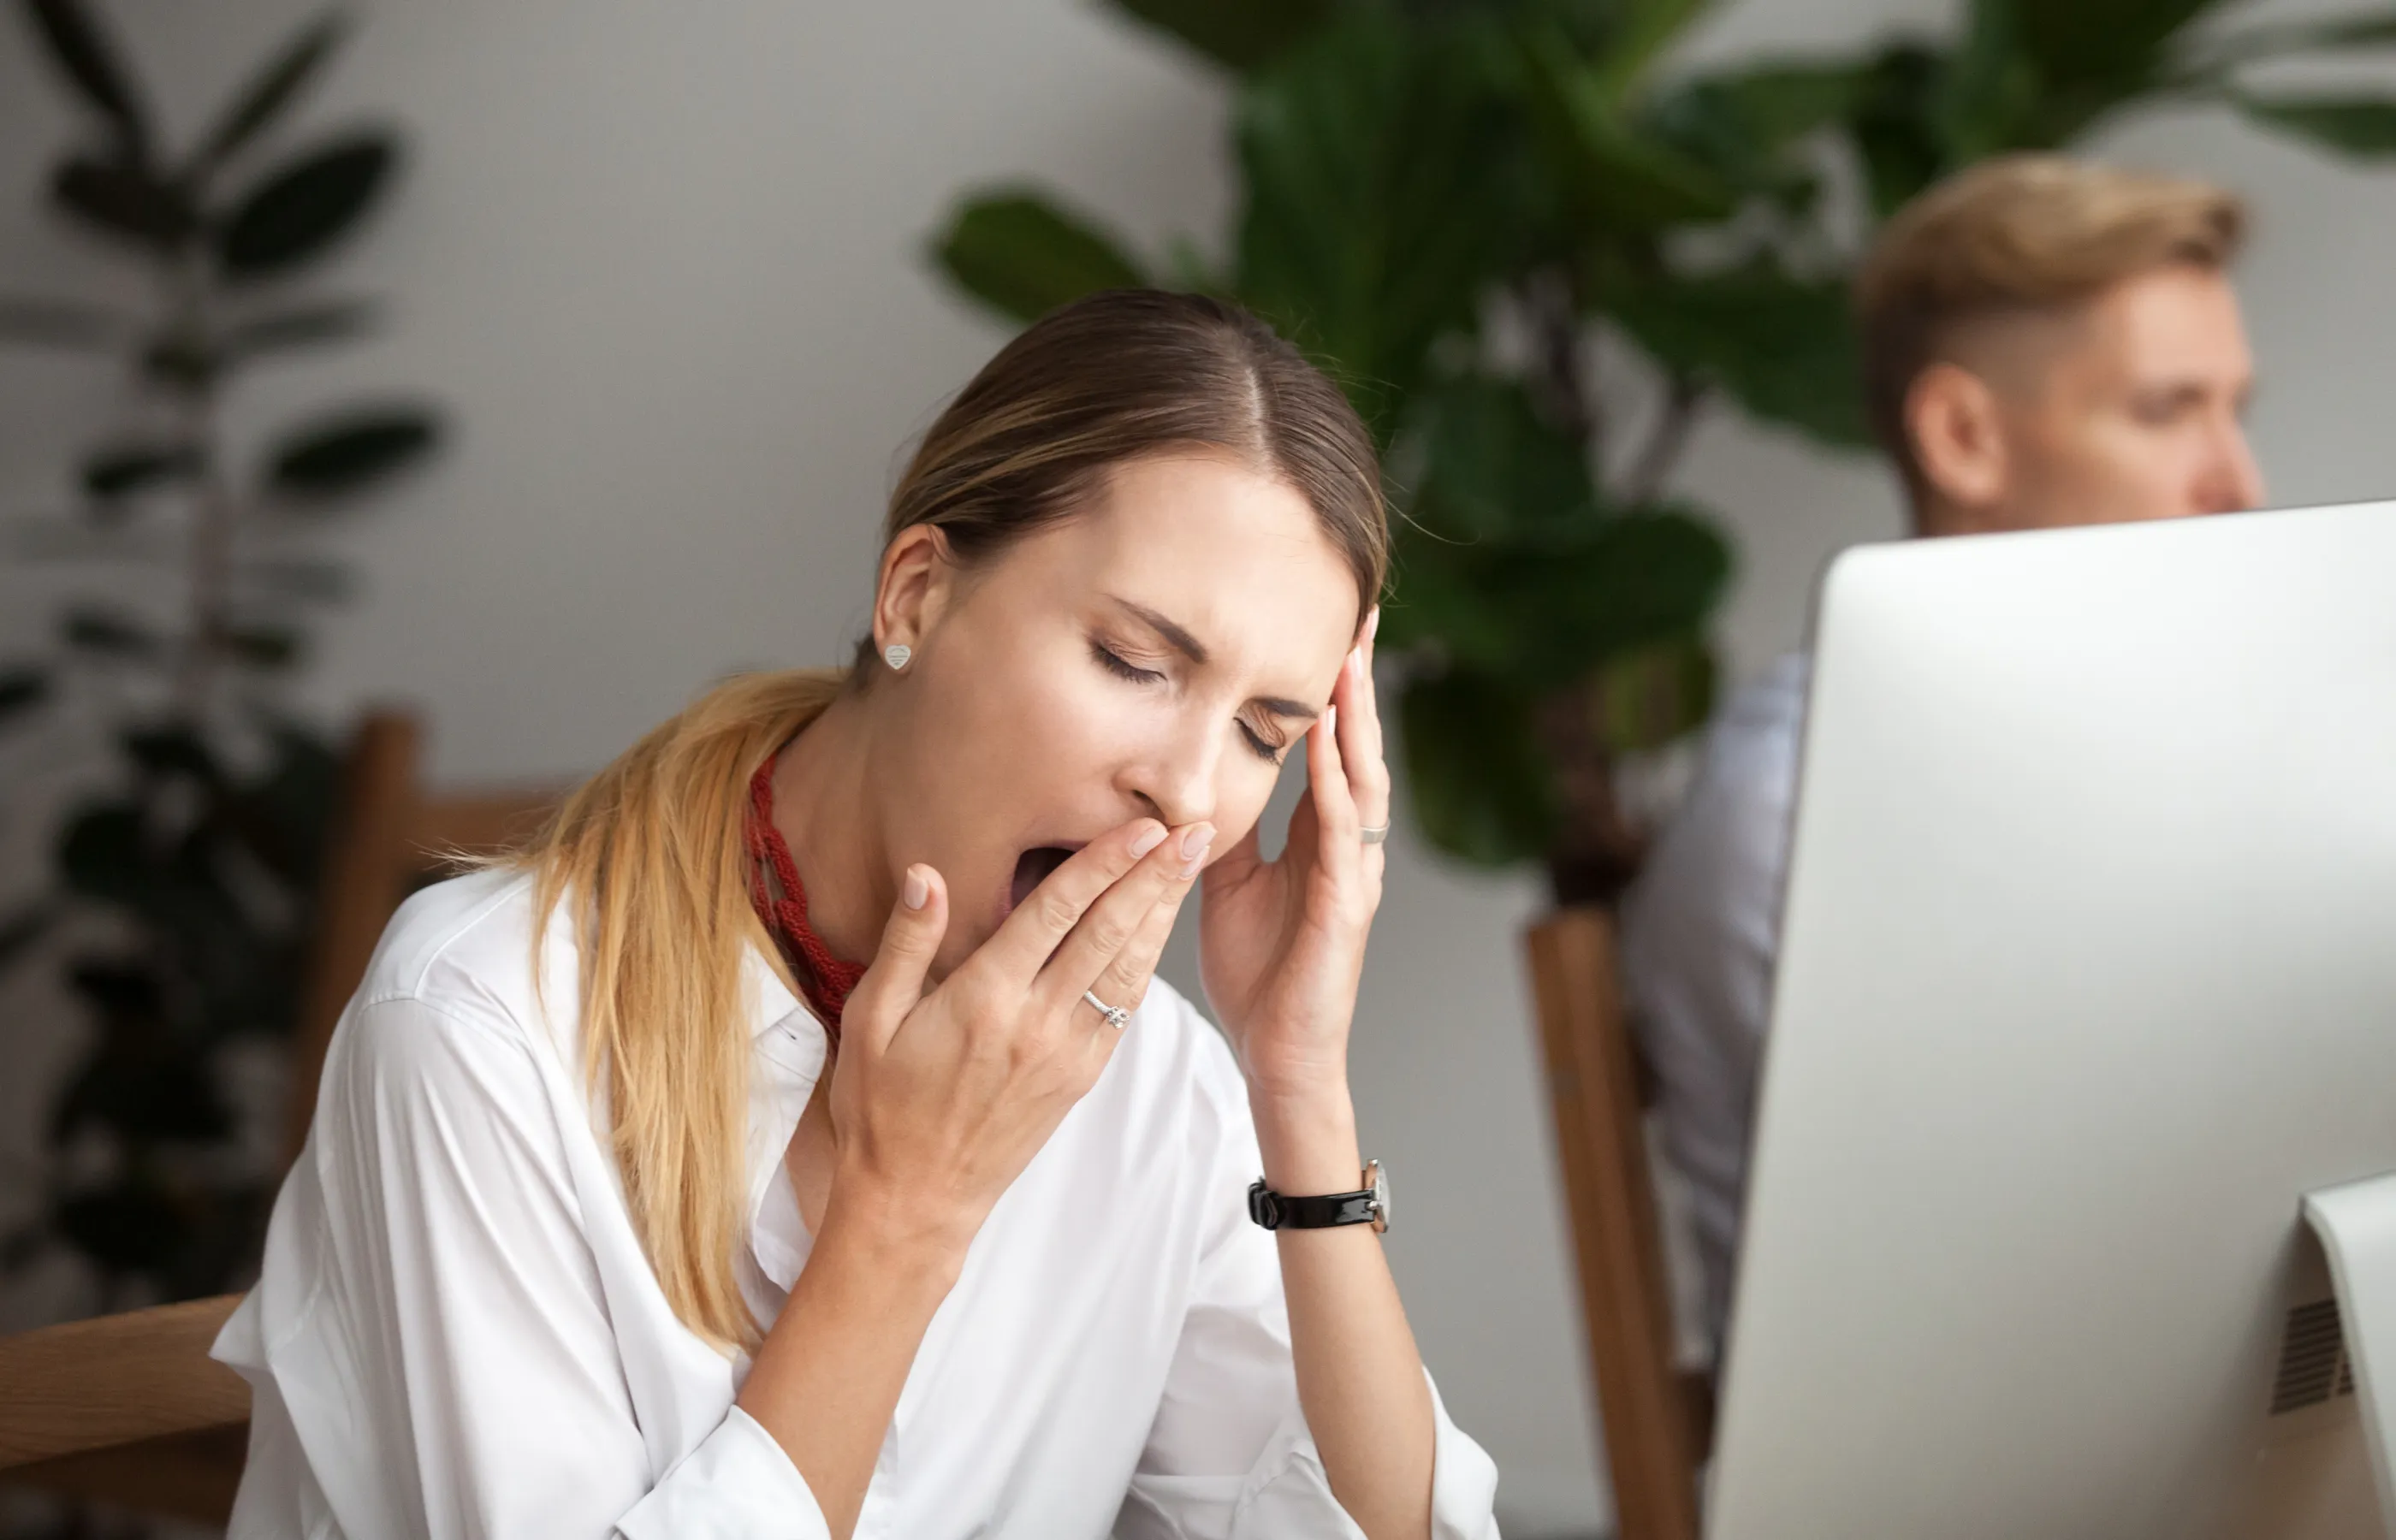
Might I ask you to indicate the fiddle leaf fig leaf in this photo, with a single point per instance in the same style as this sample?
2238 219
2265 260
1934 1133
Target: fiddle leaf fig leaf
1372 227
302 207
1899 123
1491 466
1541 607
1021 255
1743 123
1583 598
1621 176
1783 349
1480 787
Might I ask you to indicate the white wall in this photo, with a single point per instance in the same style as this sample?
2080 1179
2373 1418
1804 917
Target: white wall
663 266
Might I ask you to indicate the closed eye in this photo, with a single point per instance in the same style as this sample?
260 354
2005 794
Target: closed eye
1125 669
1269 752
1121 667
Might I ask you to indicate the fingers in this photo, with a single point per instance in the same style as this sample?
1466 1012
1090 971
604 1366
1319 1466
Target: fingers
1335 804
1043 921
895 981
1123 913
1124 982
1360 734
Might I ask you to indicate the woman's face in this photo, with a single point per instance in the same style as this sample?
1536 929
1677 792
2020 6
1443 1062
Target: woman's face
1157 656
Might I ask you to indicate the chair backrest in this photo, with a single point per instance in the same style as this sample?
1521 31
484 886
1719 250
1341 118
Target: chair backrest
126 1408
130 1408
393 836
1656 1417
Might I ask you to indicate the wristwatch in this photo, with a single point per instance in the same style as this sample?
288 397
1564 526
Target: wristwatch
1370 1206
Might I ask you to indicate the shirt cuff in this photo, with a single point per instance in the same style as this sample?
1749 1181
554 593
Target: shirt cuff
736 1484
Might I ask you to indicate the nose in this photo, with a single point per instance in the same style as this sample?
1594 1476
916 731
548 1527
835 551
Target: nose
1175 778
2232 482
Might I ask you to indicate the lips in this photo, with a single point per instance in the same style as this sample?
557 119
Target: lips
1032 868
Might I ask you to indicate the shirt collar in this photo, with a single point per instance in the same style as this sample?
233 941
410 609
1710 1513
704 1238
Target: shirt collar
772 998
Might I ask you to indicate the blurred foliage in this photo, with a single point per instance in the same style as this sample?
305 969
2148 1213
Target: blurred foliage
1445 202
205 846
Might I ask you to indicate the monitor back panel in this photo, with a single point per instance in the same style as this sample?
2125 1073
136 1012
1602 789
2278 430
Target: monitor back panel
2088 973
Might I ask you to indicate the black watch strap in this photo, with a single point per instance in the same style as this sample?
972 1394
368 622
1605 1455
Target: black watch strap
1368 1206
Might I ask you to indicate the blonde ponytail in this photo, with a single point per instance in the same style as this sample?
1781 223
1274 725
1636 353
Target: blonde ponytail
651 856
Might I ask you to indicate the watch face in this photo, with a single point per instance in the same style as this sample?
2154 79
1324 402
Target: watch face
1380 1196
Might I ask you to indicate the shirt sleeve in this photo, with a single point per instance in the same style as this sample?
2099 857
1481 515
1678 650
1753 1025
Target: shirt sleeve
432 1324
1229 1456
1701 934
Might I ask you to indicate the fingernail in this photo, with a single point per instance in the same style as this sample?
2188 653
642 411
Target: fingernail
1194 845
1330 720
1372 622
916 891
1150 837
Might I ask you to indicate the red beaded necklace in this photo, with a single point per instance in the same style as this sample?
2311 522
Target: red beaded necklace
825 979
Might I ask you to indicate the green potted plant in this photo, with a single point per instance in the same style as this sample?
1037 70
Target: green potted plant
1447 202
197 850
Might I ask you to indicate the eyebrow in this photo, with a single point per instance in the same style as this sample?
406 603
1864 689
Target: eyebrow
1182 641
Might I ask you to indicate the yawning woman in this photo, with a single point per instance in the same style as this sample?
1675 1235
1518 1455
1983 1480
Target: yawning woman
792 1142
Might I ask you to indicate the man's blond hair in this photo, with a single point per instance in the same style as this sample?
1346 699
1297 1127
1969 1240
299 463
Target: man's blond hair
2017 234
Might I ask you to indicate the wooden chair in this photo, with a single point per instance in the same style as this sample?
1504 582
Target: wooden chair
393 839
130 1409
1658 1419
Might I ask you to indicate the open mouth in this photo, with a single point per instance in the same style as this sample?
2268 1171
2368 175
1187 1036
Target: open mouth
1032 869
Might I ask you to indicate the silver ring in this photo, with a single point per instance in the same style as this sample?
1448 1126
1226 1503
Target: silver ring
1374 836
1117 1018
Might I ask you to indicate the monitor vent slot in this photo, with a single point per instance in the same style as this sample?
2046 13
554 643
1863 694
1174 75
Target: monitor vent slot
2313 1366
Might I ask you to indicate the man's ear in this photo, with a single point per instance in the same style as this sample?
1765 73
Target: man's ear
1951 421
918 581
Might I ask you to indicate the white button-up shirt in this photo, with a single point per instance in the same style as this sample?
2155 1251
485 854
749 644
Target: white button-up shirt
456 1332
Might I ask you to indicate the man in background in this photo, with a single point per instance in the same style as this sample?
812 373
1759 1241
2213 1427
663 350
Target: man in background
2045 342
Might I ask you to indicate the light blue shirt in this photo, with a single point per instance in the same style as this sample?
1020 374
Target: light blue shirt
1700 931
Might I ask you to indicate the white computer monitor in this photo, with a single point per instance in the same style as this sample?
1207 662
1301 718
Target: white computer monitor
2087 978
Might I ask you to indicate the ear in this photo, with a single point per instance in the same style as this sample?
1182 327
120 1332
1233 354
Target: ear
917 583
1951 421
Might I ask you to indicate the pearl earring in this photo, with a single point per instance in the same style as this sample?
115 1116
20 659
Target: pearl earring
896 655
